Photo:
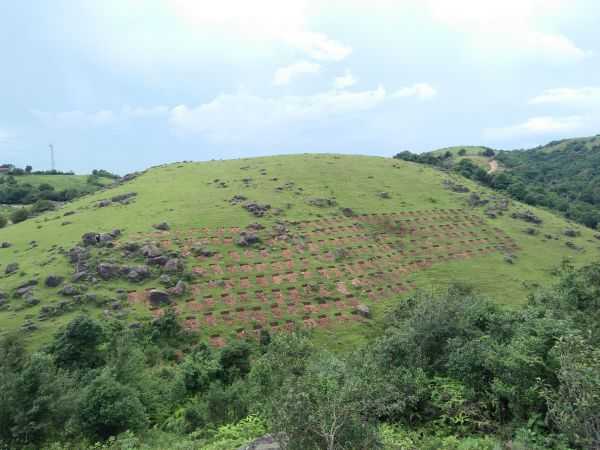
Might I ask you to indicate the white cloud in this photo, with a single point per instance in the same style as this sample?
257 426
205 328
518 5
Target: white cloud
538 126
276 20
318 45
569 96
284 75
514 25
84 119
344 81
422 91
239 117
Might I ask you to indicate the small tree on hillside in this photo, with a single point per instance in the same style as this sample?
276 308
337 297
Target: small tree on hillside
19 215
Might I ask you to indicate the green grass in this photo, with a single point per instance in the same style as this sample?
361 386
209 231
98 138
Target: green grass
186 196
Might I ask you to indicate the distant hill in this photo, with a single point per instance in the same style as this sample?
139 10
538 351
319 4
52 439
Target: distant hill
562 175
324 241
19 188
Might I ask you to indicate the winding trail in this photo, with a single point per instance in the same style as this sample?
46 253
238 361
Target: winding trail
493 166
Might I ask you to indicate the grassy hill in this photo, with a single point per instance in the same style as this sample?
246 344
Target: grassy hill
340 233
29 188
563 175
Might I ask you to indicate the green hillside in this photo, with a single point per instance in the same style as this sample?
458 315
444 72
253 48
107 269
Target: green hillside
20 188
563 176
340 233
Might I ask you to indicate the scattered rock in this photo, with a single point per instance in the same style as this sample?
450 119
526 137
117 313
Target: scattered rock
162 226
132 247
322 202
158 297
173 265
103 203
201 250
264 443
384 195
255 226
527 216
571 233
151 251
363 310
475 200
5 245
54 281
245 239
348 212
26 288
11 268
455 187
80 276
138 273
180 288
256 209
69 290
121 198
108 270
78 254
236 199
165 279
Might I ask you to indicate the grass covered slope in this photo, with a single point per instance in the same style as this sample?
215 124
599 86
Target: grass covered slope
342 232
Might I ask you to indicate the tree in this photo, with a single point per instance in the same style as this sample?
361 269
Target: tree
3 221
19 215
462 152
28 169
575 405
78 345
108 407
323 409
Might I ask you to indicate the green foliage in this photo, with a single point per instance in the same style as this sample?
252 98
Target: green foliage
19 215
108 407
235 435
3 221
575 405
78 345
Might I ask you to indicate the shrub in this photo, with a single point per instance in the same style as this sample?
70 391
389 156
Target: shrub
77 346
3 221
108 408
19 215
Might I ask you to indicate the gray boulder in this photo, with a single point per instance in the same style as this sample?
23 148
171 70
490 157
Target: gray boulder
108 270
363 310
180 288
11 268
69 290
172 265
150 251
138 273
162 226
245 239
54 281
264 443
89 239
159 297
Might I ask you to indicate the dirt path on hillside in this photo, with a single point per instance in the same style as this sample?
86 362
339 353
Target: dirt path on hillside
493 166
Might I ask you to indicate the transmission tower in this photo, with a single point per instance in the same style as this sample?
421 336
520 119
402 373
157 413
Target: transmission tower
52 156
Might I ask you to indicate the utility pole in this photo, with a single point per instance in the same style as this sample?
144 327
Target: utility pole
52 156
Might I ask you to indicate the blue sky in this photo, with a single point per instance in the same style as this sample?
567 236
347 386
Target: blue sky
124 84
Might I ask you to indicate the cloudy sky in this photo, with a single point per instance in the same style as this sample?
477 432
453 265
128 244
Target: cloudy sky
124 84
